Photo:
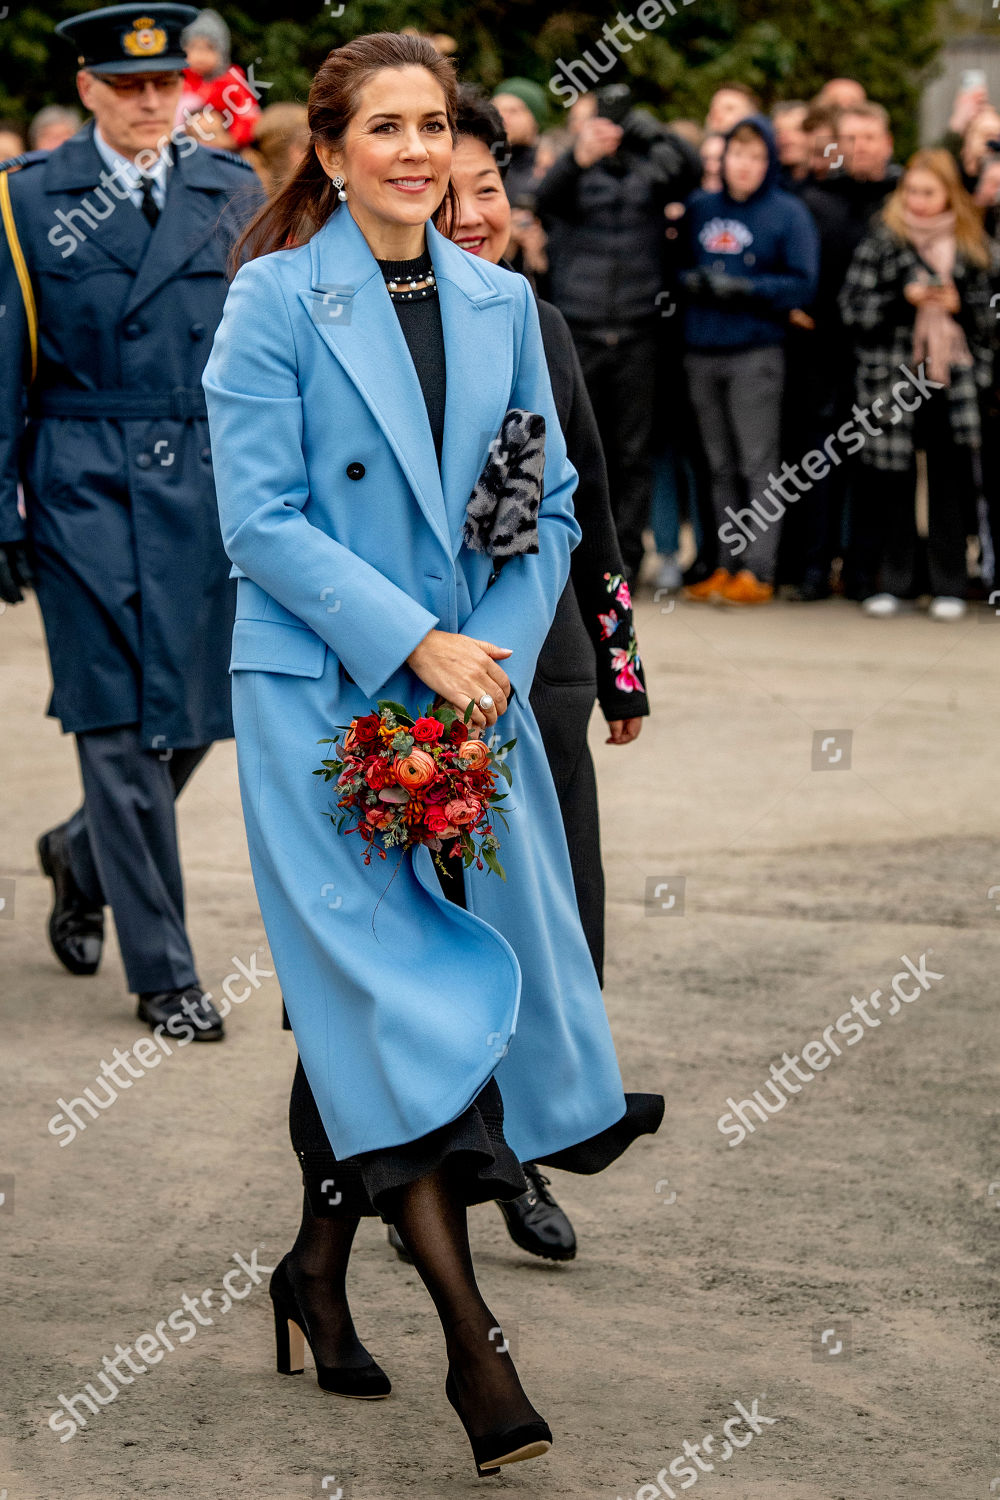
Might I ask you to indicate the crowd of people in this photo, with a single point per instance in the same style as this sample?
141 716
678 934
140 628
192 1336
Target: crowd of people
745 295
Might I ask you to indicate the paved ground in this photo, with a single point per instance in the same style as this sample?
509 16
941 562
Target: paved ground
866 1210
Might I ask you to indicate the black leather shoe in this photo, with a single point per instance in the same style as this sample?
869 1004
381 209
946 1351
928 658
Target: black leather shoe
396 1241
536 1222
192 1010
76 927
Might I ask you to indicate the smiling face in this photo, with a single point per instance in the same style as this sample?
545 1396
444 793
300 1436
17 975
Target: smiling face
134 111
483 224
395 159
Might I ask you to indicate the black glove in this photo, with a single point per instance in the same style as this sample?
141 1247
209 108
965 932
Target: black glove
717 287
16 572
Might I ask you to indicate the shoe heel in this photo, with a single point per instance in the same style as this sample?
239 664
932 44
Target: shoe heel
290 1344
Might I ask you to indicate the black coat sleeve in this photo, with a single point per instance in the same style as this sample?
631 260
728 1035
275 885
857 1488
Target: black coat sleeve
596 567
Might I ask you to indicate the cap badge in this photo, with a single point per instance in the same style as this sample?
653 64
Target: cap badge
146 39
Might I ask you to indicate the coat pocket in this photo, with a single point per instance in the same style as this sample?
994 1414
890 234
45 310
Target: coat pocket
270 646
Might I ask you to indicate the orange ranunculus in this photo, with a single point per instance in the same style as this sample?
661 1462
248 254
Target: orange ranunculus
476 753
463 810
415 769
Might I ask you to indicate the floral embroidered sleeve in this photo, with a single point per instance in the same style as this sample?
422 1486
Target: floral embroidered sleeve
621 684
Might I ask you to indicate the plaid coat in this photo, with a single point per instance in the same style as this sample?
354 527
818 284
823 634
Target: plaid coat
873 305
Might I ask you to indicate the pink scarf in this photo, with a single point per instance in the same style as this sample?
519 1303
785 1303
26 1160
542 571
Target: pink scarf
937 338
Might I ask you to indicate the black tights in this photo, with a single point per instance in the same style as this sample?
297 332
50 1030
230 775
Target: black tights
431 1216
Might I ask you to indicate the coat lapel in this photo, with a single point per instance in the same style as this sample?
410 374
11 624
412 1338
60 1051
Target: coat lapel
190 217
351 310
76 167
478 323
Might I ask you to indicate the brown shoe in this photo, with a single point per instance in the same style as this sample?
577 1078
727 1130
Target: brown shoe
708 589
744 588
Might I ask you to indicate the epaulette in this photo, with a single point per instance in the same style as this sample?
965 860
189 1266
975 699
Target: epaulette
26 159
230 156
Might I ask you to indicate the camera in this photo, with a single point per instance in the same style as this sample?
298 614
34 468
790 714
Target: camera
614 102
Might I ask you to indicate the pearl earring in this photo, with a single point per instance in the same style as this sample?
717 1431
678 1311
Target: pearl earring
341 187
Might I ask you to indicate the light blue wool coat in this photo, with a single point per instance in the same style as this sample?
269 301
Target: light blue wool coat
398 1029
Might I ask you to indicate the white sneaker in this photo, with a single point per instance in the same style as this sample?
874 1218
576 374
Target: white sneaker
947 608
881 606
669 575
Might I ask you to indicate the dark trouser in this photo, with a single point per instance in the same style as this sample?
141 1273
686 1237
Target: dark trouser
819 385
620 371
885 542
737 400
123 851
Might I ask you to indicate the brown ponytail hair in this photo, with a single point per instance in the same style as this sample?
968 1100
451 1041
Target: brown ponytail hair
309 198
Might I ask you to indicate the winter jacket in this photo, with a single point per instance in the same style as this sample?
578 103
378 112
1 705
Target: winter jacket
606 226
873 306
749 262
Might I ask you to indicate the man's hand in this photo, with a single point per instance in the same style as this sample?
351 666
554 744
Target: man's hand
598 137
458 667
16 572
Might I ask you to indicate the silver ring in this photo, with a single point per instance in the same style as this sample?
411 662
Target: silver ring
486 703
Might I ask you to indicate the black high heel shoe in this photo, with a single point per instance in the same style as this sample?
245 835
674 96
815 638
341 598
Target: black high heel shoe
508 1446
368 1383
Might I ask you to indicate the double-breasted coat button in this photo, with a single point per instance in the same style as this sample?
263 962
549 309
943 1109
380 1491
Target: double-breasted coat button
355 471
197 332
144 460
134 330
206 455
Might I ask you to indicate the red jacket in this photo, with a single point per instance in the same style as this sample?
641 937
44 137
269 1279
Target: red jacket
231 95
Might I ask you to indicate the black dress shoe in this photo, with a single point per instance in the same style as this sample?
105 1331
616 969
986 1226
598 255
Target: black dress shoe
76 926
176 1009
536 1222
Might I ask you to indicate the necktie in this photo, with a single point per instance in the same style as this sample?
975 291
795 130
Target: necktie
148 205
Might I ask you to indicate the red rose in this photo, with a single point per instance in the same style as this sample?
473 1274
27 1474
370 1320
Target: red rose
366 729
459 731
436 792
378 775
435 820
425 730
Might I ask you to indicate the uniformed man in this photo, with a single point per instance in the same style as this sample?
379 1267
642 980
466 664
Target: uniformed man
113 275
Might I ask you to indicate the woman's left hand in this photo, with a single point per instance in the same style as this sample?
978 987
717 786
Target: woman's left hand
623 731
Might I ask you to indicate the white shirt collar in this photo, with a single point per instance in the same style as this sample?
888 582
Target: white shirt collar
129 175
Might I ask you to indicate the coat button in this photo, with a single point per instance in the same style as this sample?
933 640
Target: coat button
143 460
206 455
134 330
197 332
355 471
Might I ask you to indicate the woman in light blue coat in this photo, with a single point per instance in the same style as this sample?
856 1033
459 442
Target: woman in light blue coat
362 368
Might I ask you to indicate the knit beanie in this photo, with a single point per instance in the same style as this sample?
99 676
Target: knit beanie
210 27
530 93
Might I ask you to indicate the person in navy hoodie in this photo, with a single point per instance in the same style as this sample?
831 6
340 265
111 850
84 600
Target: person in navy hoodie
752 255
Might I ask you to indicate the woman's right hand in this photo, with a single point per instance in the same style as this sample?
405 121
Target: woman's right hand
916 292
459 667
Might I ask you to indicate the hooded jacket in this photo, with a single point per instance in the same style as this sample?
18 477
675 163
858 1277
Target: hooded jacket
768 243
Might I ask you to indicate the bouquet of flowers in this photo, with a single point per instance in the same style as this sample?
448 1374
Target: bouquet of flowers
417 781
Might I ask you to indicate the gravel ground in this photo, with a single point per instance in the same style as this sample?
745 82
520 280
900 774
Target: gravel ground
837 1266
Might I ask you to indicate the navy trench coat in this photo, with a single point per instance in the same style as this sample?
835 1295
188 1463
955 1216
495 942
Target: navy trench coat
133 581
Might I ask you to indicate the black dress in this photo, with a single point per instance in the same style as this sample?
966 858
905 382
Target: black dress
472 1147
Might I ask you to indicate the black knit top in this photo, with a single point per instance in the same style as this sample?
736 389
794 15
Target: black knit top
419 314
